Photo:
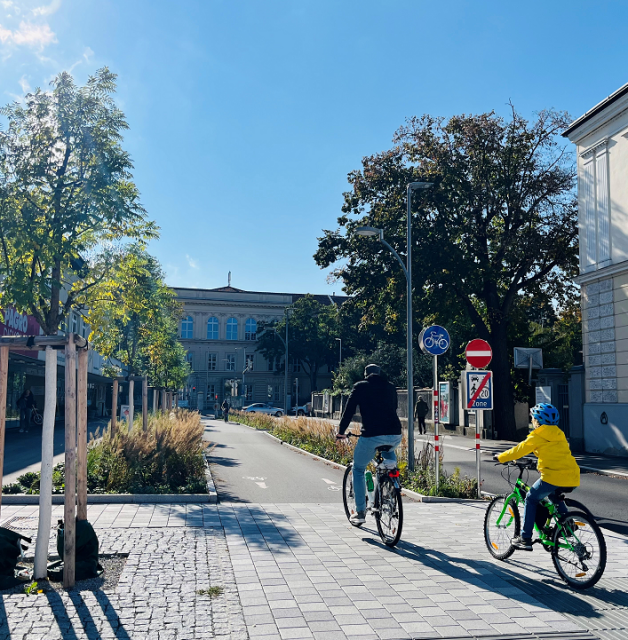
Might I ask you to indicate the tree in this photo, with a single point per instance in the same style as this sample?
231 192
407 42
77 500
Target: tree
312 331
66 195
499 223
134 318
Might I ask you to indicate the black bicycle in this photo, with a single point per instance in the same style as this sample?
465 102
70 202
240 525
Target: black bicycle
383 501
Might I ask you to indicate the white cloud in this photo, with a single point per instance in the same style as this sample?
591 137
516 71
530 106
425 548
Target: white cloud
29 34
193 263
87 54
47 10
7 4
24 84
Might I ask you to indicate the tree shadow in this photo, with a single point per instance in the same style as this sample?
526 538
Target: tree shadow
550 593
89 627
260 529
5 632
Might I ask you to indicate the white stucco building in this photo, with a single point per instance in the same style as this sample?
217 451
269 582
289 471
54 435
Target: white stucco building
601 138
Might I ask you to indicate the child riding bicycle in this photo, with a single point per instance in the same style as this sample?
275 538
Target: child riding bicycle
558 468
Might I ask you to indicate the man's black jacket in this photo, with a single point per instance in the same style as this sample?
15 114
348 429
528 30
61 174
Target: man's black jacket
377 400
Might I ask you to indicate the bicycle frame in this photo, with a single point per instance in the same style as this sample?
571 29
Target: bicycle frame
545 538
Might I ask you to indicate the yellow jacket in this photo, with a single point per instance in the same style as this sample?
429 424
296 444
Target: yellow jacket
556 464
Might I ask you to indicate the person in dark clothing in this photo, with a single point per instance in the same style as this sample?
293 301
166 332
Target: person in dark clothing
420 411
225 409
377 400
25 404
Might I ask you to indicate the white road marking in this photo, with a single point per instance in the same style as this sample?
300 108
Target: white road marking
334 488
328 481
262 485
254 478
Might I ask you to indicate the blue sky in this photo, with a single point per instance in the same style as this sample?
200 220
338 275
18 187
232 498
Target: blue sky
246 116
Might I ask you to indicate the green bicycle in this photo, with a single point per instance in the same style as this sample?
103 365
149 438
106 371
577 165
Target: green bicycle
574 540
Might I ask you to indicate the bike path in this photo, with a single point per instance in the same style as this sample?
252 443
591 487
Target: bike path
249 466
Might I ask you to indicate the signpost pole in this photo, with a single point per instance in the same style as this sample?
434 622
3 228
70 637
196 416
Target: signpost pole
477 451
436 419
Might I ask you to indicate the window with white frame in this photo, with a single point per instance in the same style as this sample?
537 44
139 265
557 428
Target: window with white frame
212 361
595 195
248 392
250 329
212 328
296 366
232 329
250 362
190 358
276 393
230 362
187 328
211 393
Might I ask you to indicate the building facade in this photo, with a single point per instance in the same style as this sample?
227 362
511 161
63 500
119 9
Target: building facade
219 330
601 138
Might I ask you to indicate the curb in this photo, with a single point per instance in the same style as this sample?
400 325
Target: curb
118 498
419 497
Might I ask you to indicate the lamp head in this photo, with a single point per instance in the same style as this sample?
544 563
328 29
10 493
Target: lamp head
416 186
369 232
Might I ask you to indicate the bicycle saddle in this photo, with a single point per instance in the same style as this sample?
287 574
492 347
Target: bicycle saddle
385 447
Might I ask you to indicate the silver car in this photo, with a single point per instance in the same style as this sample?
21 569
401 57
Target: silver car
260 407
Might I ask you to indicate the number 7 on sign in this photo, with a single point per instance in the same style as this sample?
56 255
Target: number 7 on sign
479 390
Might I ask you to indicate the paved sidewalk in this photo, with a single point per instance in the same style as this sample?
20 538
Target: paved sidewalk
301 571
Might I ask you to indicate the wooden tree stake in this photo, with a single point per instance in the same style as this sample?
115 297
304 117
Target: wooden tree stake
114 407
145 404
81 465
4 374
69 547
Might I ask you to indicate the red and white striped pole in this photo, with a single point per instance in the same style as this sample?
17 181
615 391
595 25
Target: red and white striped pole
436 420
477 451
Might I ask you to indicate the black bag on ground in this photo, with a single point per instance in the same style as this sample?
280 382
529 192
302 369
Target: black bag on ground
10 552
86 563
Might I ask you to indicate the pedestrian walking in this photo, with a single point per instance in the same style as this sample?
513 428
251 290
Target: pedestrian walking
25 403
420 412
225 409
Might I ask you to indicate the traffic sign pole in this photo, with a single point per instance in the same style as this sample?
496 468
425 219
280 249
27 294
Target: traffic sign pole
436 420
478 451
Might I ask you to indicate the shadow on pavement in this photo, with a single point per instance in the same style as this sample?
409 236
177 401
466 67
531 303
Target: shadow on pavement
4 625
260 529
515 586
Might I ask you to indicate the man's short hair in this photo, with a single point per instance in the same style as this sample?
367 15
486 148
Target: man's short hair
372 369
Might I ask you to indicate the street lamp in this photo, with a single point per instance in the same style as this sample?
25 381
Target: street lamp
340 356
407 270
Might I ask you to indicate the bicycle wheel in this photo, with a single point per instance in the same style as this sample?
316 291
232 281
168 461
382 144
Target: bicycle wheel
348 496
389 513
579 552
37 419
498 536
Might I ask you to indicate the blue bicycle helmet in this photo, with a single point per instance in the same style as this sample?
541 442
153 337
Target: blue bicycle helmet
545 413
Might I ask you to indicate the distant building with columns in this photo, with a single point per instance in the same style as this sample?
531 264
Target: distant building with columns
601 138
219 330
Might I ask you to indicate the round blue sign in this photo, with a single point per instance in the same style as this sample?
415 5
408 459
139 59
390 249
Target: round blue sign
434 340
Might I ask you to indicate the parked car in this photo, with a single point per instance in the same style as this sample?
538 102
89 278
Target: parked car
302 410
260 407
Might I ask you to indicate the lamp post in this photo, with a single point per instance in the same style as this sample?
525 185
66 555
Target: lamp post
340 353
407 270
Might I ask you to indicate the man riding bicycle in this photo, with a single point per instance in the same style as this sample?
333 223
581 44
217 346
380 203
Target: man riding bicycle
377 400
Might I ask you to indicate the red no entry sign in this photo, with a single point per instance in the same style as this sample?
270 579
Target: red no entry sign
478 353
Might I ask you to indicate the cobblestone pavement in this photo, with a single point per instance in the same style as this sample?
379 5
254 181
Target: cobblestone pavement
301 571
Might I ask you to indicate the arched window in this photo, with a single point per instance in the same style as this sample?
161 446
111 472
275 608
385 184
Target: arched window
250 329
232 329
212 329
187 327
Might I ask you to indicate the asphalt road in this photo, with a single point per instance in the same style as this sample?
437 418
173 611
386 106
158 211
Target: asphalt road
22 451
605 496
249 466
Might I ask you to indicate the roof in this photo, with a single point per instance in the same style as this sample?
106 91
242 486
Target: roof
322 298
596 109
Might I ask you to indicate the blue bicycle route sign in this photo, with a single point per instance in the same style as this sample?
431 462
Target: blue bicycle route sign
434 340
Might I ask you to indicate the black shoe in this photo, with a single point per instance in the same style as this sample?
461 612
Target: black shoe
524 544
